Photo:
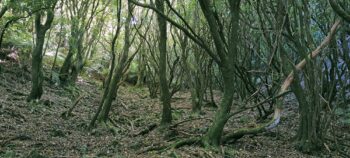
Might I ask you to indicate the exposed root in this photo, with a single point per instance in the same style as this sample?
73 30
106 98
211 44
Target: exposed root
148 129
189 141
233 136
109 126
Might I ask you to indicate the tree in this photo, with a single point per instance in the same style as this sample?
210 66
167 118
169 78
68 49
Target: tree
224 57
80 25
164 89
37 54
118 70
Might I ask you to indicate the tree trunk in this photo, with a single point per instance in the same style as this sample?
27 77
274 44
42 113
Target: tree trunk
64 72
226 55
213 136
75 48
309 136
112 93
117 75
37 55
141 69
79 63
37 74
164 89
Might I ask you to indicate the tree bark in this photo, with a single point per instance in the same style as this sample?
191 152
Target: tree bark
226 55
117 74
164 89
213 136
37 55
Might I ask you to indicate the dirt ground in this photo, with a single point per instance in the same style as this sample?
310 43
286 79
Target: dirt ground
38 128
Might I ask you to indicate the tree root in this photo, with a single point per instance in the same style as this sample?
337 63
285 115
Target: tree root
148 129
234 136
107 125
188 141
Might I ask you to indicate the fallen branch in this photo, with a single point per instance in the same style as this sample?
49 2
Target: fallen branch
68 113
233 136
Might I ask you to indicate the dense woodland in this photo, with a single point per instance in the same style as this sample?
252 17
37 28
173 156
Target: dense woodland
174 78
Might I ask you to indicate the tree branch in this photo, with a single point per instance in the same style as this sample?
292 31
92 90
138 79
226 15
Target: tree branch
186 31
337 9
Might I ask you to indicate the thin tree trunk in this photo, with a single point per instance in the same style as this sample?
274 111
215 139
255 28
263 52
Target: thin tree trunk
64 72
164 89
118 73
111 69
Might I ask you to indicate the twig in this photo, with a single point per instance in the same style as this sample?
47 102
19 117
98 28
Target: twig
258 104
69 112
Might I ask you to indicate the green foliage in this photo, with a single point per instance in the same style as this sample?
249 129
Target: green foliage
178 113
72 91
9 154
18 37
133 67
244 119
339 112
345 121
344 115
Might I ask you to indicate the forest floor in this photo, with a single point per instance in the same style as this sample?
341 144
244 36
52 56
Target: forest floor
38 128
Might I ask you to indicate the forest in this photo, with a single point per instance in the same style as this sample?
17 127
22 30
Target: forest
174 78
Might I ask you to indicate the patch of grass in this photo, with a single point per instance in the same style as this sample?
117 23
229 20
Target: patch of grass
244 119
136 89
178 113
72 91
9 154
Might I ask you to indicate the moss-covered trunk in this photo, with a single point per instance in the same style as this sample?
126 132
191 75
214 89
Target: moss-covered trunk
111 94
37 54
113 86
37 74
164 89
213 136
227 54
64 71
309 136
